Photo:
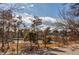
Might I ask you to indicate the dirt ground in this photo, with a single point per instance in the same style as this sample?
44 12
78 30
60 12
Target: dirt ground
50 49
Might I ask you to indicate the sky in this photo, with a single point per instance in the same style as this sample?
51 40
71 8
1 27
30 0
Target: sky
36 9
50 10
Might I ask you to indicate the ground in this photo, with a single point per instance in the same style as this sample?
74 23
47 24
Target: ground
51 49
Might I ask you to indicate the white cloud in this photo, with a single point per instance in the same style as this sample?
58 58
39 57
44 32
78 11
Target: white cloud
26 14
48 19
45 20
30 5
22 7
28 18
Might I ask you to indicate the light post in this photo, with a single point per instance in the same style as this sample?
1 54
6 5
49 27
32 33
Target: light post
18 23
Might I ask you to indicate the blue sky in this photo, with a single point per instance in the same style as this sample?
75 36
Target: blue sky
37 9
46 9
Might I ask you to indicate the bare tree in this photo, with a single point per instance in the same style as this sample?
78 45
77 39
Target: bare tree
5 16
46 31
70 18
36 22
